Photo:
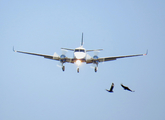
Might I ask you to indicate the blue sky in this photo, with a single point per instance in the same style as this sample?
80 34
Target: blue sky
35 88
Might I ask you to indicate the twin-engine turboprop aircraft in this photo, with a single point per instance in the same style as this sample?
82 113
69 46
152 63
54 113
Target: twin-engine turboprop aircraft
80 56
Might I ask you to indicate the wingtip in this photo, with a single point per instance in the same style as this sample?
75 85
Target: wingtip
14 50
146 53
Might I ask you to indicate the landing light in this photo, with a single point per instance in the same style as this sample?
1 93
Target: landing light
78 62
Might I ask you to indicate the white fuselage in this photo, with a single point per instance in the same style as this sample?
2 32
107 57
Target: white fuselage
80 53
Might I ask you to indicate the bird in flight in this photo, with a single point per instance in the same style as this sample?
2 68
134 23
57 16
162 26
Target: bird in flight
111 88
127 88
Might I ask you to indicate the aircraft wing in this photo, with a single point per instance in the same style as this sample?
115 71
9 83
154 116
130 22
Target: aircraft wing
113 58
53 57
117 57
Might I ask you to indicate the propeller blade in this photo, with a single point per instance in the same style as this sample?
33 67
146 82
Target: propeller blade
55 55
93 66
96 53
88 56
64 51
59 65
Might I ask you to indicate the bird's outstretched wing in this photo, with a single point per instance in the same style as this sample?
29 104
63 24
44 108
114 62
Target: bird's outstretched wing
127 88
111 88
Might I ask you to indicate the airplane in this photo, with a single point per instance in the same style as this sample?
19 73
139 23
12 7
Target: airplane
80 56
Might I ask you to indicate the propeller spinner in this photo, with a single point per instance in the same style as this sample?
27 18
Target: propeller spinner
62 59
95 60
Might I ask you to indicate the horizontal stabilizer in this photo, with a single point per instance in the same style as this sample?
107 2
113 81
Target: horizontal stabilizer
82 40
94 50
68 49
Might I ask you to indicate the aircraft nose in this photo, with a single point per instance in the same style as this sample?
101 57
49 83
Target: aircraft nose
79 55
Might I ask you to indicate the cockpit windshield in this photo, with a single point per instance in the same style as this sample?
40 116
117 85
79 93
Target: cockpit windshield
79 50
82 51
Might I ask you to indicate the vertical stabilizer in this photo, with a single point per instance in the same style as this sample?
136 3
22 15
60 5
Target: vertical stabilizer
82 40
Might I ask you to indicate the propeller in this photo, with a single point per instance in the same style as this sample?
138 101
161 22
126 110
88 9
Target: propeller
62 58
95 57
63 55
95 61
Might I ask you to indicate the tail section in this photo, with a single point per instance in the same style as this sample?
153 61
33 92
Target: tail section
82 41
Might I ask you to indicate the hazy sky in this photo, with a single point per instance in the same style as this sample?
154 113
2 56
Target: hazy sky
34 88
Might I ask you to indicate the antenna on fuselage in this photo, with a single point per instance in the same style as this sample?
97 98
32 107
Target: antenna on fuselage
82 40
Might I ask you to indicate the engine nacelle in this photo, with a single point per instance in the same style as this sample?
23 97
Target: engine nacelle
62 58
95 61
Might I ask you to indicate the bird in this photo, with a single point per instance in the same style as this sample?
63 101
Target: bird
127 88
111 88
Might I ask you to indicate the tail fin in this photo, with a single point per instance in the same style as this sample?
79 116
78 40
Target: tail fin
82 40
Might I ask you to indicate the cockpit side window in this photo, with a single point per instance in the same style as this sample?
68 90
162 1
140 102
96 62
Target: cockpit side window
77 50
